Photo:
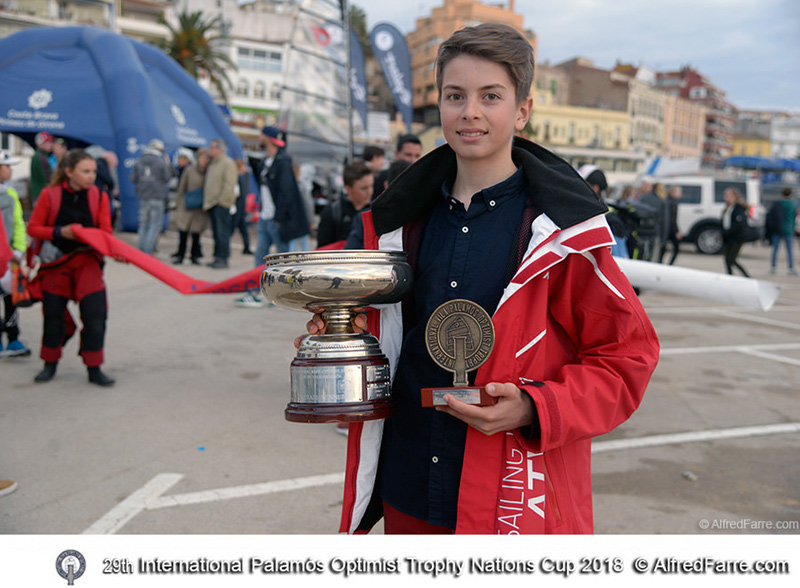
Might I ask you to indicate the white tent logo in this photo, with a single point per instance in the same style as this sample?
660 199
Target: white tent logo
40 99
178 115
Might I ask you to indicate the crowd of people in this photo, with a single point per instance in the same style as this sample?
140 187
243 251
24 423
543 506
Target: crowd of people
477 203
644 220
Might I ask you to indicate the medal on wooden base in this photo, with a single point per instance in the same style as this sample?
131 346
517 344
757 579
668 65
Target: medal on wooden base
460 337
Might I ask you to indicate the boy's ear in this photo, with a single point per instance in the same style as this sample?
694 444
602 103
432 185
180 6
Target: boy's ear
523 113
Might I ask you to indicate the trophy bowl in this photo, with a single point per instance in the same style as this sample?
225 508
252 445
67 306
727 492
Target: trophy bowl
338 376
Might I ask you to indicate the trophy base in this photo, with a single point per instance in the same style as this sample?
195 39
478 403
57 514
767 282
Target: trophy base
469 395
349 412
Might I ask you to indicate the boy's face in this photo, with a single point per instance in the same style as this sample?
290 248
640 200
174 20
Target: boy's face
360 192
479 109
5 173
377 163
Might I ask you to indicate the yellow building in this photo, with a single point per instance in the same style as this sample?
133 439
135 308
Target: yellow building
751 145
584 135
424 40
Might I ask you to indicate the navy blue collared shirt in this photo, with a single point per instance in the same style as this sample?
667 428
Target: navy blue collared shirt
464 253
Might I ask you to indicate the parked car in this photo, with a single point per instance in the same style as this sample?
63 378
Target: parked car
701 205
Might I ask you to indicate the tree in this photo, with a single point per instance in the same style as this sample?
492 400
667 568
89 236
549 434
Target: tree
358 22
199 45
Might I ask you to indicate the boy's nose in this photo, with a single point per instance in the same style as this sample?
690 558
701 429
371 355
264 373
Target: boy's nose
471 109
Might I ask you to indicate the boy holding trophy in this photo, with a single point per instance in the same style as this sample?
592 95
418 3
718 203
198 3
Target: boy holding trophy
494 225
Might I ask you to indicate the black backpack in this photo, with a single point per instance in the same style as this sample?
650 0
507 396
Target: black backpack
774 220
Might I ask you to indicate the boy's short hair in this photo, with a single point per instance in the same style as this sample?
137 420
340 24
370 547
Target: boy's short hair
495 42
373 151
355 171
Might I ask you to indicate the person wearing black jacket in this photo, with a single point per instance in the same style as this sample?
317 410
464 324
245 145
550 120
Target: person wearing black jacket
671 233
734 222
290 213
336 219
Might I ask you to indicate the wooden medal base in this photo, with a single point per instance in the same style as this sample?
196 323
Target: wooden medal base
474 395
350 412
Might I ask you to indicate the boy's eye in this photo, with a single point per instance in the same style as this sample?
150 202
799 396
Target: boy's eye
454 96
491 96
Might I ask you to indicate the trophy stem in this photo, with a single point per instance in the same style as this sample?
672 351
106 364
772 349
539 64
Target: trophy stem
338 321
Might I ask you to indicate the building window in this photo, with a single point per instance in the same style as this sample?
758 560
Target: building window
698 93
259 59
243 88
275 92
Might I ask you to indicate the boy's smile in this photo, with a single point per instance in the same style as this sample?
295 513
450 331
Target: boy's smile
479 110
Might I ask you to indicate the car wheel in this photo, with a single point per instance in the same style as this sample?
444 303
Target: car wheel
709 240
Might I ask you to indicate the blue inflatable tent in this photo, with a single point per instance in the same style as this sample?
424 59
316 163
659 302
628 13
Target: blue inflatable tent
93 86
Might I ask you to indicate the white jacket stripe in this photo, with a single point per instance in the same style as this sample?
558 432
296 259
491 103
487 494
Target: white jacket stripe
588 255
532 343
541 245
391 338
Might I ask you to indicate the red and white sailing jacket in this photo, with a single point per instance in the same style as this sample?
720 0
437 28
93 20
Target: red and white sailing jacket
570 331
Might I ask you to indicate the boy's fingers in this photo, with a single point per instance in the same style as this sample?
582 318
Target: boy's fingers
360 321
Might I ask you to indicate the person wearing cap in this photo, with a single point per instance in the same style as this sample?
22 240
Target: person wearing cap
60 149
290 213
282 216
150 177
183 159
12 232
40 165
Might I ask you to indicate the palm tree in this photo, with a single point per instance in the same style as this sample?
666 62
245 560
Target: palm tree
198 44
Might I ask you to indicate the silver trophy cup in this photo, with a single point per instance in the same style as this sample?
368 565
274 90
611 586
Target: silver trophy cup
339 376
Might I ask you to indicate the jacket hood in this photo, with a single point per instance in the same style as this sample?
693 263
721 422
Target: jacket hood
555 187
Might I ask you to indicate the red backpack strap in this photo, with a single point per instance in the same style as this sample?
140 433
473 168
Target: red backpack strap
55 204
94 197
94 203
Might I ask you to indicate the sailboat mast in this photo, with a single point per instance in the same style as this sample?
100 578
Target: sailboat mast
348 91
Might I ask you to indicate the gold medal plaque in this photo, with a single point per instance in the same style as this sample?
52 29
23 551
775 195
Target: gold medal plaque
459 337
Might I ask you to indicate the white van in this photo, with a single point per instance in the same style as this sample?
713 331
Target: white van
701 204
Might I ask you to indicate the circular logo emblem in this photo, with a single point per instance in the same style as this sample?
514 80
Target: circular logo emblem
459 336
384 41
40 99
70 565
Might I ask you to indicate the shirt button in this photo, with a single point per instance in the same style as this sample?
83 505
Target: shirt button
454 284
435 459
492 203
465 229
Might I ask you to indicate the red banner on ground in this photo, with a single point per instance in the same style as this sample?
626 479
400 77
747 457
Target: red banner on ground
110 246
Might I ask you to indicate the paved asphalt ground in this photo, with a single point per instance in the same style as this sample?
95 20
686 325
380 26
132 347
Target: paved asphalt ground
192 438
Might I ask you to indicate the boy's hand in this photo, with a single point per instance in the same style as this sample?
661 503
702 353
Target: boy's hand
316 326
513 409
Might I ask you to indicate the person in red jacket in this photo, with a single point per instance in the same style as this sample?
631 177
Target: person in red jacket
71 270
510 227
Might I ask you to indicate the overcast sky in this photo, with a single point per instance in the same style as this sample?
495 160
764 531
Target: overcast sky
748 48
